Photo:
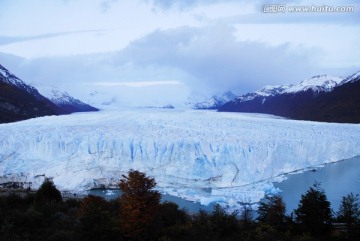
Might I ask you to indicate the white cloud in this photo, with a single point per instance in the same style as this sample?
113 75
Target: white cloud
204 45
137 83
214 59
331 46
122 22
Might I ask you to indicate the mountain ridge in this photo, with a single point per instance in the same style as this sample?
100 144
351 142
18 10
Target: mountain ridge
303 101
199 102
65 101
21 101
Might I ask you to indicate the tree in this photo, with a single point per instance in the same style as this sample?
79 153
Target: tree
272 211
246 215
139 204
222 223
170 214
48 193
313 212
171 222
96 222
349 210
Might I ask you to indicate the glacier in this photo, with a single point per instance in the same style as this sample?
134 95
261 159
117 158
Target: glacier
203 156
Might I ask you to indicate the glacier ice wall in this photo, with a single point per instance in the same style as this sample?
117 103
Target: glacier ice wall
186 151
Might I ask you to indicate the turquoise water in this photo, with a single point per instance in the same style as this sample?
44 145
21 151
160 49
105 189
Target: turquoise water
337 179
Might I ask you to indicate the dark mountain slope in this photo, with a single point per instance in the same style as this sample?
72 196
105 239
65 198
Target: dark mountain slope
17 104
283 105
19 101
340 105
321 98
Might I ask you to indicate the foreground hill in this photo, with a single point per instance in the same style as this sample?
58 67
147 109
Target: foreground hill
320 98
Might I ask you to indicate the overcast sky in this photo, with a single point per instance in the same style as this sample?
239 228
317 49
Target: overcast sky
170 48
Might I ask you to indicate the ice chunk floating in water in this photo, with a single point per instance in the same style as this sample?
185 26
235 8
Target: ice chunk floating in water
198 155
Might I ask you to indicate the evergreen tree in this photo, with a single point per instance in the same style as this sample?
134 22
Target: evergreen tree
349 210
48 193
313 212
96 222
272 211
138 205
246 215
222 223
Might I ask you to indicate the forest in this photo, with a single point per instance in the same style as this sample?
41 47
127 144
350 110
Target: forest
139 215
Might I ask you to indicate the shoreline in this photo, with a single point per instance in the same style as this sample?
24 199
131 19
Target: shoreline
22 192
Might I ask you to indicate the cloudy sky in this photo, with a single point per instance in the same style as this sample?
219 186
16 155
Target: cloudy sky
164 50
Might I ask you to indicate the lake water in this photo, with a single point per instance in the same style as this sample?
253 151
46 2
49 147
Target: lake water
338 179
191 207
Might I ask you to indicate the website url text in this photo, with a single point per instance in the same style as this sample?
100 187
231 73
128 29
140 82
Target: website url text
282 8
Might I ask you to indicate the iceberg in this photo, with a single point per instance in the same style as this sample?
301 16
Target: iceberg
203 156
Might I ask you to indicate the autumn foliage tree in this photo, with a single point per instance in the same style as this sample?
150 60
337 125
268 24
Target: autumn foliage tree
139 204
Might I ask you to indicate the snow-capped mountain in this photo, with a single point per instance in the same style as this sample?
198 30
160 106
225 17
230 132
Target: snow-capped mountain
317 84
20 101
201 102
63 100
342 104
269 90
8 78
292 101
352 78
